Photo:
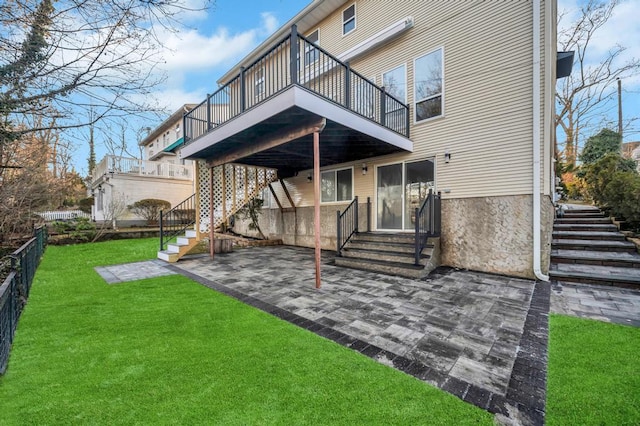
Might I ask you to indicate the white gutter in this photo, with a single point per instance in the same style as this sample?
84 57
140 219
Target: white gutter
537 270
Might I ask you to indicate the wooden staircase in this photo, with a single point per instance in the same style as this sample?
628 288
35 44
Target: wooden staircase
587 248
233 186
389 253
181 247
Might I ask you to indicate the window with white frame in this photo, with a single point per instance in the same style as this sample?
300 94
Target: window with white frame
349 19
336 185
259 81
395 84
428 87
312 54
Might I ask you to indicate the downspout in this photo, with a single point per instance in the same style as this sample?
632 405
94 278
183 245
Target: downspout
537 270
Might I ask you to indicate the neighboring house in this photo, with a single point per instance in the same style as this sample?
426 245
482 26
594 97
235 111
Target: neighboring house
119 181
457 97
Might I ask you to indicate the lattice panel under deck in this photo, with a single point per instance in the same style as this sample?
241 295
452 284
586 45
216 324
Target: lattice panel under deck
204 195
247 181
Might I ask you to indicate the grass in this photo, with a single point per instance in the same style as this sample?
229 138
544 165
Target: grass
170 351
594 373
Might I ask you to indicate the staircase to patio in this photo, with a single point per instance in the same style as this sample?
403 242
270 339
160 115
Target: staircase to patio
234 185
405 254
389 253
588 248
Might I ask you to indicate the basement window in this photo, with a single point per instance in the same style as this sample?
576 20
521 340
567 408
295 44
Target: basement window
336 185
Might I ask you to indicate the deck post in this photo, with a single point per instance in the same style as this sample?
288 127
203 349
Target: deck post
316 200
211 219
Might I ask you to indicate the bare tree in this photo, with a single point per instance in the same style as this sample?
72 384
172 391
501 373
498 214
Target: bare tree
590 91
60 58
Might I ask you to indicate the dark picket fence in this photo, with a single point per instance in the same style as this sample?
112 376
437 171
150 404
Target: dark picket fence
14 291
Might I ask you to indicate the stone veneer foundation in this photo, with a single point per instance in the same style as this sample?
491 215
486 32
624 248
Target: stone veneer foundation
489 234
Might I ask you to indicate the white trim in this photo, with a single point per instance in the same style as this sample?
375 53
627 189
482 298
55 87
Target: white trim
442 93
297 96
374 206
335 174
355 21
377 39
537 244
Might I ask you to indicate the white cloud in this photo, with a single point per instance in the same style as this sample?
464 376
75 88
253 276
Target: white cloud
190 51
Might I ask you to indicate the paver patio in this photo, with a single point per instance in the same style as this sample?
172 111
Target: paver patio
481 337
460 331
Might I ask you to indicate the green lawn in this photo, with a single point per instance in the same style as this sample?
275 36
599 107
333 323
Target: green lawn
594 373
170 351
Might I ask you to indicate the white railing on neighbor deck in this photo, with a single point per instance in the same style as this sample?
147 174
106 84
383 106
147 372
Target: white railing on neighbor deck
113 165
63 215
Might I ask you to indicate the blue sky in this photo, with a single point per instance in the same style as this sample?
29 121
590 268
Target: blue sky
212 41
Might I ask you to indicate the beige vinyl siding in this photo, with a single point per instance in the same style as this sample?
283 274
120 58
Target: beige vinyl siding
487 88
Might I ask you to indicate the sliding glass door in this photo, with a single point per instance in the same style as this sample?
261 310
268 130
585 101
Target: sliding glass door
400 189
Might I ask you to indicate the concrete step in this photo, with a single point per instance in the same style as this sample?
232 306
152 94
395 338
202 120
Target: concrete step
598 227
584 210
176 247
384 237
573 214
596 258
588 235
583 220
391 268
593 245
599 275
168 256
384 255
408 248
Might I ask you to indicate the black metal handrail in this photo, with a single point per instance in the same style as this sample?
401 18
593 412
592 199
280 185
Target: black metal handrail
427 220
294 60
346 225
177 220
15 289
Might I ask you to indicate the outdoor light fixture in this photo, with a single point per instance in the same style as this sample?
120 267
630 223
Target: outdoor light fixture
364 168
447 156
309 178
